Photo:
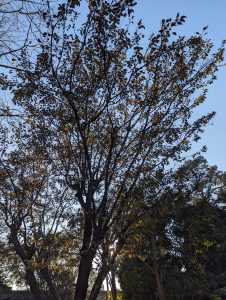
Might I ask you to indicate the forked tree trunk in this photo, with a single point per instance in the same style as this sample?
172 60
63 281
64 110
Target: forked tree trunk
47 277
106 267
29 274
98 282
34 287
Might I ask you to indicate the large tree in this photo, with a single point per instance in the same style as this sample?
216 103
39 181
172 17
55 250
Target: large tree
104 112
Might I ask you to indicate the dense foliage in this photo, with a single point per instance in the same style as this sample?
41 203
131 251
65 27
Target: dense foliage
178 250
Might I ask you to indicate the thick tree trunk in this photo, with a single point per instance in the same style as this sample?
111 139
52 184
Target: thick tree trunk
45 274
85 268
34 287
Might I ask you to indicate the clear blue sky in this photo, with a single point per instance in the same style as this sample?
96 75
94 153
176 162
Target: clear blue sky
199 14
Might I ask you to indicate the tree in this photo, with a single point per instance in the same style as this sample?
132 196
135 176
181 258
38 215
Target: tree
3 286
177 249
136 280
3 276
203 250
106 112
32 207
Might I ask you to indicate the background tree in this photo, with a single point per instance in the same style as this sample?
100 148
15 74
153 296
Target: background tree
3 286
3 274
32 206
185 260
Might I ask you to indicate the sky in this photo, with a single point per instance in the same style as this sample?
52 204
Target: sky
199 14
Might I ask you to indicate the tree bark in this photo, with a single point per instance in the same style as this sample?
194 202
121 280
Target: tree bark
29 274
34 287
161 293
85 268
107 264
113 284
45 274
98 282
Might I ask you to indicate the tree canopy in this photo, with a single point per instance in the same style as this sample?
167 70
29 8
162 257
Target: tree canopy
177 250
92 113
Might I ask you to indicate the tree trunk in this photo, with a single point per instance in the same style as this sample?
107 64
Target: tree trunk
113 284
45 274
107 264
34 287
29 275
161 293
85 268
98 282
